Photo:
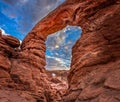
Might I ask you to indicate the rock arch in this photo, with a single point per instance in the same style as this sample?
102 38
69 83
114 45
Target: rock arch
69 13
94 74
94 50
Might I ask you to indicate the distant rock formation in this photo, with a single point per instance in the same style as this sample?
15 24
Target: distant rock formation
94 74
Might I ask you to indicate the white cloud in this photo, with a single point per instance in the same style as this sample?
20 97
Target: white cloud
3 32
54 63
59 46
23 1
57 39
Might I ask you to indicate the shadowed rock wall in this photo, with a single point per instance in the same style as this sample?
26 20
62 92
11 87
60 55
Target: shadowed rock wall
22 75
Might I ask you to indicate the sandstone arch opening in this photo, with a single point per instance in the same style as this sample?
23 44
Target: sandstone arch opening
59 48
93 77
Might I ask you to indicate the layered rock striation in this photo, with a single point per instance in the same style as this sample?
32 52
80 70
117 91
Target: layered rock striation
94 74
22 73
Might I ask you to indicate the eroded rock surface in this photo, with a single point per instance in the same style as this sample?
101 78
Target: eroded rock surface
23 77
94 74
96 57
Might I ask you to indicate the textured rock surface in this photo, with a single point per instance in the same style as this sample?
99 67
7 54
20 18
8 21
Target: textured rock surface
22 73
94 74
96 56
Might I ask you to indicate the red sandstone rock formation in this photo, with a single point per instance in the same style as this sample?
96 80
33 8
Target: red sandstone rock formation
22 73
94 74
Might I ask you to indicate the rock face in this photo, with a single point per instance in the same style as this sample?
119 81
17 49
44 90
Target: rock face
22 73
94 74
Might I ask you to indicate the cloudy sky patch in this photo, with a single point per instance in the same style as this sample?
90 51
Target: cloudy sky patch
59 47
22 15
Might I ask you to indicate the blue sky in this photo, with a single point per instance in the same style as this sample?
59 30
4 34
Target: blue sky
17 17
59 47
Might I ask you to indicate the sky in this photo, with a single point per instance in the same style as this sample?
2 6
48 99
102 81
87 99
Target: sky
18 17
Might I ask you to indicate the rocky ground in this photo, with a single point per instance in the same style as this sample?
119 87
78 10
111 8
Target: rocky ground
94 75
